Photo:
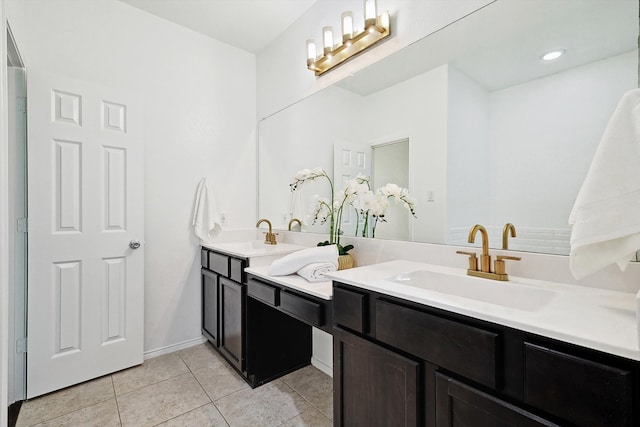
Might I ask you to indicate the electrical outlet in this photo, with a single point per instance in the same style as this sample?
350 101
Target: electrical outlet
223 218
284 219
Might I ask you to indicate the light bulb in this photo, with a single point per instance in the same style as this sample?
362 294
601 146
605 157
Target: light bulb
327 40
312 53
370 13
347 26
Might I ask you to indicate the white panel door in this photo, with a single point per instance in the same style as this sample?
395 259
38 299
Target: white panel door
85 286
349 160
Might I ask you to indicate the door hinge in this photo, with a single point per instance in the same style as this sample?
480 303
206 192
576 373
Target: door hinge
23 225
21 104
21 345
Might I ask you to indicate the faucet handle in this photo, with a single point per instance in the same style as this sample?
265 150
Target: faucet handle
514 258
500 265
473 259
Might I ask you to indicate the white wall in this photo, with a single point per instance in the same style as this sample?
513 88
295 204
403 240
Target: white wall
417 109
283 77
292 140
532 132
467 152
199 97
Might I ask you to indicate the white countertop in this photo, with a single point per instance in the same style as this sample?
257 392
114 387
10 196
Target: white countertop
322 290
600 319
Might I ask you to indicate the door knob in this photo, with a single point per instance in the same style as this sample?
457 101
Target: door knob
134 244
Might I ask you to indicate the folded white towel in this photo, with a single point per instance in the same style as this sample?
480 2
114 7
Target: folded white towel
206 220
315 272
293 262
606 214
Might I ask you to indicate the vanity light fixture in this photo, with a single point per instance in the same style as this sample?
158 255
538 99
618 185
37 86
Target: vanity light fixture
554 54
376 28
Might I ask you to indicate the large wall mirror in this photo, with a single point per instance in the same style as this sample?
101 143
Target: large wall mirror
493 133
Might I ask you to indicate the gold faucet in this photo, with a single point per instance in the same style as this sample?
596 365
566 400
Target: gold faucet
508 227
499 272
269 237
485 259
295 220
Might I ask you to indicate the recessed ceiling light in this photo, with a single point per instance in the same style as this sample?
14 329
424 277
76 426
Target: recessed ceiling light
554 54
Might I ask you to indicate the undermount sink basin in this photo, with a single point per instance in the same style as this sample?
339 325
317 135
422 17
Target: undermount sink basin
509 294
252 248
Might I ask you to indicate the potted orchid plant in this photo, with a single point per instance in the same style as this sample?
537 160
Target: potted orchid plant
373 205
326 210
357 194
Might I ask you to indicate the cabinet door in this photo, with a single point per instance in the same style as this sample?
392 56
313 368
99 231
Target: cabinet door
231 339
372 385
579 390
459 405
210 306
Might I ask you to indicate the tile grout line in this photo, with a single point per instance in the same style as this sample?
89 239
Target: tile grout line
150 384
222 363
303 398
205 391
70 411
177 416
115 397
197 380
307 400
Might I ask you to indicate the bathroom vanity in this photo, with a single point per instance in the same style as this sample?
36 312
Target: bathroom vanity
261 327
416 344
415 357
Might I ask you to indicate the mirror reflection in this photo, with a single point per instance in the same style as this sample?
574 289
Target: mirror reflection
493 133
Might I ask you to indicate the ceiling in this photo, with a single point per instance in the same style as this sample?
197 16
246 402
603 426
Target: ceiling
499 46
233 22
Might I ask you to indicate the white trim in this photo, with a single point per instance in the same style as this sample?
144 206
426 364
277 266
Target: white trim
4 225
322 366
174 347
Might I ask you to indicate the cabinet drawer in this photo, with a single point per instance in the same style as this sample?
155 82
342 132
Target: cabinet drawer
304 309
578 390
204 258
236 269
263 292
461 348
219 263
349 309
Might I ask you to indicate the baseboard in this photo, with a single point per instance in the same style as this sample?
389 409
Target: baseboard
322 366
174 347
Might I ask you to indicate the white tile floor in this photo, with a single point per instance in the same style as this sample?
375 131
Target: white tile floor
191 387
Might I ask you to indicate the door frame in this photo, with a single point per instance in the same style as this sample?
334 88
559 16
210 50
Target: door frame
17 280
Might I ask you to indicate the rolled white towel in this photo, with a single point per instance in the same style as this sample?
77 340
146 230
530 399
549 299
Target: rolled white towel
315 272
293 262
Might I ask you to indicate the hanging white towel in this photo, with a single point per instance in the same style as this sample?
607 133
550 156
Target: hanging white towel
206 220
606 214
293 262
315 272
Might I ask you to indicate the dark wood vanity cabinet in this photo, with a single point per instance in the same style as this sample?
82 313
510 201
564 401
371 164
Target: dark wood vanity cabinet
223 299
421 366
263 331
